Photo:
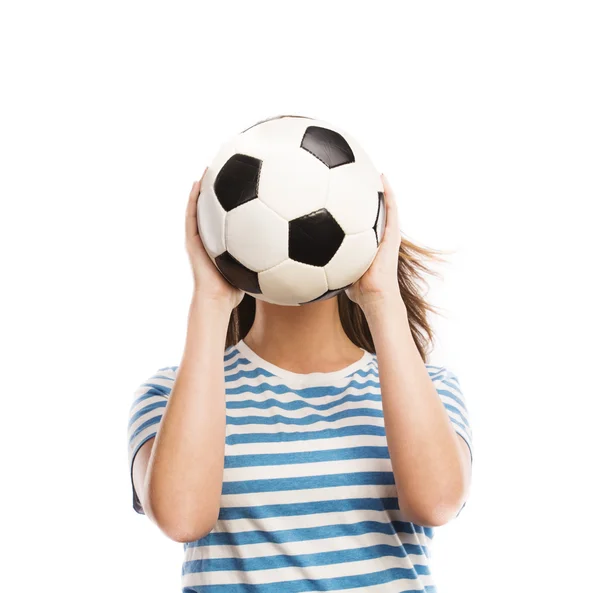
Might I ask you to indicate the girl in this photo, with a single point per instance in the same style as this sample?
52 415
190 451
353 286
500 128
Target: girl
303 448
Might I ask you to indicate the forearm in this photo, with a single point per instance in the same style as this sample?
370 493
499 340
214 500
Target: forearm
428 467
185 470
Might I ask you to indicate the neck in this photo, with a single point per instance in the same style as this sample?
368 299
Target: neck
303 339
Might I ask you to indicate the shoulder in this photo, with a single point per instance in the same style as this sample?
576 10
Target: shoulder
169 372
446 383
158 383
442 374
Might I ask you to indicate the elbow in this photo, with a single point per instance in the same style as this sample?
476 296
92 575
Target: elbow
435 517
433 514
439 505
178 527
184 536
182 532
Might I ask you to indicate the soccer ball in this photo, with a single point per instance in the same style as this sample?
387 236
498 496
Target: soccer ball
291 210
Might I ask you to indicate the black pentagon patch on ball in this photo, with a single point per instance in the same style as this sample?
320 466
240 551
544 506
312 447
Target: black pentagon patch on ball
237 274
380 214
314 238
328 146
237 181
327 295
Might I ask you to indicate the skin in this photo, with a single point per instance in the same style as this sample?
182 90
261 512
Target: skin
430 461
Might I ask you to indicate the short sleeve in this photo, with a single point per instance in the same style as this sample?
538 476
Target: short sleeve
450 392
145 413
452 397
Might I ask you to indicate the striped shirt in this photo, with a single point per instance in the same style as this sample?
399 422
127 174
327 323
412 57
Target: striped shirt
308 500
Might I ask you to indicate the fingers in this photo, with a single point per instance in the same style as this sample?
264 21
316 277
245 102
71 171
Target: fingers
391 209
387 190
191 217
191 213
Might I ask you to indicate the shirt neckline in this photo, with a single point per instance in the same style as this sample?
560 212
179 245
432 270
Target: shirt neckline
316 378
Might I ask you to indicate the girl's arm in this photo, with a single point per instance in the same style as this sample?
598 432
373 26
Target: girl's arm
430 461
179 473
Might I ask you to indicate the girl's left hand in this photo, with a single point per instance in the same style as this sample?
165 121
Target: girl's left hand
380 281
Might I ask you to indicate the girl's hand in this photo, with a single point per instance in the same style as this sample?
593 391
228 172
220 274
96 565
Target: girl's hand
208 280
380 281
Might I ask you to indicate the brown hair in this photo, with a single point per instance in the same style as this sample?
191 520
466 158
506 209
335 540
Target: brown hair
412 266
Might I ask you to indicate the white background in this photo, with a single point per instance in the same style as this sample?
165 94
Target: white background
484 117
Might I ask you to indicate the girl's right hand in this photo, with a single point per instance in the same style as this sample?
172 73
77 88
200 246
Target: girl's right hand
208 280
